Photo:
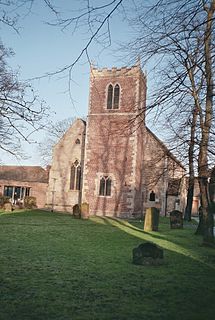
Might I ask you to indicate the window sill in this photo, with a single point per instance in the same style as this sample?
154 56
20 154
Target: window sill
100 196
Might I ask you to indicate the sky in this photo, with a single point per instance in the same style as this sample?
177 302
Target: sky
40 49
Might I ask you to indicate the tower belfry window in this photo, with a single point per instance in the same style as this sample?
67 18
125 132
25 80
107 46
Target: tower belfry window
116 97
110 97
113 97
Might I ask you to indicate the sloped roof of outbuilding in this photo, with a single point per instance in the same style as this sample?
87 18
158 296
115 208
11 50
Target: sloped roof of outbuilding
24 173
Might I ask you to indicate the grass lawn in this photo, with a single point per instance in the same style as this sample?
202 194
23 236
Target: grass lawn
55 267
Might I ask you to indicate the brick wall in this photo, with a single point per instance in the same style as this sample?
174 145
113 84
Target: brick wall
113 147
37 189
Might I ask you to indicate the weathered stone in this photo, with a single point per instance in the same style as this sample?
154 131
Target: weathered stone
148 254
176 219
8 207
151 219
61 194
76 211
84 210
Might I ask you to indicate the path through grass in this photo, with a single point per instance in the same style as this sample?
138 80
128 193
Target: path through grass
55 267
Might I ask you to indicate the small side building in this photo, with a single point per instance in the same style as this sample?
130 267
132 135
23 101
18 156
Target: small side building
17 182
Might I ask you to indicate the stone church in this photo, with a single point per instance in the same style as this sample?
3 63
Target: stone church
113 161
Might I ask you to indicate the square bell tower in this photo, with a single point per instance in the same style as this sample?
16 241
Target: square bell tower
114 142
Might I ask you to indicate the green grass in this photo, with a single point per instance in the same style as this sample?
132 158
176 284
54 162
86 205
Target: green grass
55 267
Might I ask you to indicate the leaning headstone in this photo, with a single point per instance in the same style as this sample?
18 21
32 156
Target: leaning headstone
176 219
148 254
8 207
76 211
85 211
151 219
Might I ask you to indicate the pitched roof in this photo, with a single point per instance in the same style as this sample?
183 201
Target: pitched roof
167 151
24 173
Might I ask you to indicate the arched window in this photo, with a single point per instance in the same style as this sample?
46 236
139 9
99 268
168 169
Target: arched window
105 186
75 176
113 97
78 178
116 97
110 97
152 196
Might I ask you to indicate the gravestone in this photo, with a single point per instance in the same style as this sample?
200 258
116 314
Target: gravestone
176 219
85 211
151 219
148 254
76 211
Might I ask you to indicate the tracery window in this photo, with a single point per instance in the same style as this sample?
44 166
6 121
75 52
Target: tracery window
113 97
105 186
75 176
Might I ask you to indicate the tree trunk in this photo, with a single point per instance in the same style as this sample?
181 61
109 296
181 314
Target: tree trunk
207 215
188 209
206 220
200 228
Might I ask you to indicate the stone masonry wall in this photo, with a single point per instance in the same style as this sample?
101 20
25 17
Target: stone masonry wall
158 166
69 149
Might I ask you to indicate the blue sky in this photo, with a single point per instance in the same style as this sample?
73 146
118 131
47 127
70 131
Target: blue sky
40 48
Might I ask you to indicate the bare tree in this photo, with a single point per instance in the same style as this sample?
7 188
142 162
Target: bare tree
55 131
182 137
21 113
179 36
90 17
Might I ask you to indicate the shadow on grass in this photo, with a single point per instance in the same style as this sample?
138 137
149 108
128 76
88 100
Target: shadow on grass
53 273
180 241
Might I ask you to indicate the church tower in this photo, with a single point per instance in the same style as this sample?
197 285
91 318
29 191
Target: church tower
114 142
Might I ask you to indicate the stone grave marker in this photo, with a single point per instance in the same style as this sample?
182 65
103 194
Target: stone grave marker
151 219
85 210
76 211
148 254
176 219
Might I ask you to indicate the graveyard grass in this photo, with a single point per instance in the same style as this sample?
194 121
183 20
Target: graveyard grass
53 266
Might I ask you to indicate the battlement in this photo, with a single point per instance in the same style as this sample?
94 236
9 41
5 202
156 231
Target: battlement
117 72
